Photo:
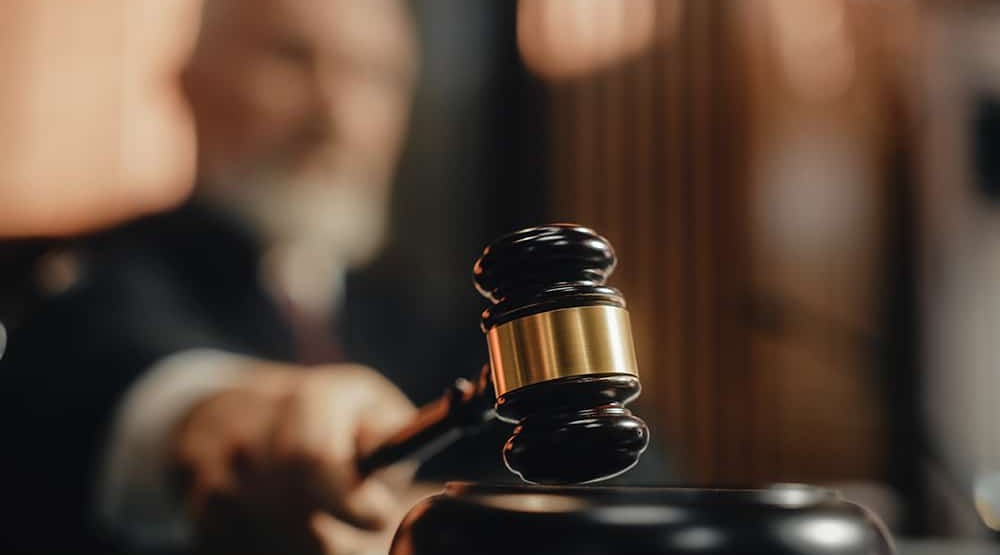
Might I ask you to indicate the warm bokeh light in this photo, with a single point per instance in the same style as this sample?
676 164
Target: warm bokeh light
95 129
566 38
814 47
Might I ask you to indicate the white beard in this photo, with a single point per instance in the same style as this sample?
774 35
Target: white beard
312 230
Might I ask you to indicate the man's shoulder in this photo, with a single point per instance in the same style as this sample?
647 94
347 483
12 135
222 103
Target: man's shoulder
191 244
144 262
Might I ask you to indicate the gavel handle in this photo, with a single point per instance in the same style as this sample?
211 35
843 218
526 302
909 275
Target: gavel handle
464 407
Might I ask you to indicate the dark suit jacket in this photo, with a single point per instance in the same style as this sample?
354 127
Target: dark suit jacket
168 283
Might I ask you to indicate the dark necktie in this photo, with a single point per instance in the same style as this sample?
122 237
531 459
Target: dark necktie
315 335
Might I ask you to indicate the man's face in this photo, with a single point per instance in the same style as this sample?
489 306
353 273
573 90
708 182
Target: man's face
300 108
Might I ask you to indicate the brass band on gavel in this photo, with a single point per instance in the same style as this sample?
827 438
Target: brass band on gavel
573 341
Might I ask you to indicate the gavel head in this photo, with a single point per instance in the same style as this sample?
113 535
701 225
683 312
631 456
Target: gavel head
561 355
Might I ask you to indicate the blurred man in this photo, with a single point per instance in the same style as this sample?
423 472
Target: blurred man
169 332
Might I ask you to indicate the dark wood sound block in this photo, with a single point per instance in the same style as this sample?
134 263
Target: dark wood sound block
468 518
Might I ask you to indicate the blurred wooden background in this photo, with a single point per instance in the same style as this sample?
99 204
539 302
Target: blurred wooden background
741 163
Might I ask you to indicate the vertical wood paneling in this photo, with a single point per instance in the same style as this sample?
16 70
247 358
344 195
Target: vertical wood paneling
669 298
736 379
642 140
659 153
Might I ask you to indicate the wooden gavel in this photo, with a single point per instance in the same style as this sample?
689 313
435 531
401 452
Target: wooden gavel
562 364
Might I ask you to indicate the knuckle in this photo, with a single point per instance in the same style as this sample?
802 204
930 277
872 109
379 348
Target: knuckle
298 396
352 371
307 458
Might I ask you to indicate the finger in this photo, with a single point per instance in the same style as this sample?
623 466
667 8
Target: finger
383 412
397 476
321 417
218 444
320 431
315 445
371 505
388 412
336 537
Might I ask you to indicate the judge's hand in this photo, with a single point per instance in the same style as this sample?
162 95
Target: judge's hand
270 465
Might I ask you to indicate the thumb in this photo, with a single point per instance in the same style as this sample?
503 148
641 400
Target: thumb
371 505
388 413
